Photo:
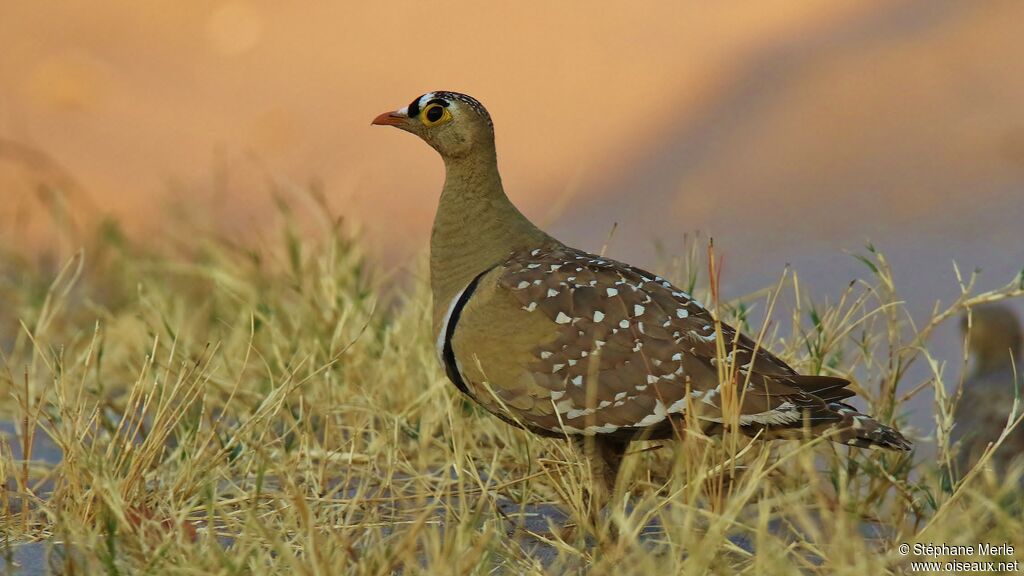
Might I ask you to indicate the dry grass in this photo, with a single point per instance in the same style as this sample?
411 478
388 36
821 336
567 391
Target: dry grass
224 410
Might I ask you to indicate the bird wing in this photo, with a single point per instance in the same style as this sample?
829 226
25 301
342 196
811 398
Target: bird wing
567 341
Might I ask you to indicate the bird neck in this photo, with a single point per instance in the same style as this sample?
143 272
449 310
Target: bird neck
476 227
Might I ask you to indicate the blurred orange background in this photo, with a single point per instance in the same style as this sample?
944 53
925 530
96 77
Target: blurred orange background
790 131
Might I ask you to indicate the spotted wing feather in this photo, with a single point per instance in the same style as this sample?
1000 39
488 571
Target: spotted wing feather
646 343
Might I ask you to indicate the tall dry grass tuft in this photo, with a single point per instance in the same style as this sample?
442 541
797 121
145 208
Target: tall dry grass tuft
231 410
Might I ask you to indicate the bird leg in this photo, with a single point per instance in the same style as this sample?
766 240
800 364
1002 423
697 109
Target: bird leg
604 457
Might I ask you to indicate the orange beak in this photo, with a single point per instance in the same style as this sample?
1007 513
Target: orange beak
390 119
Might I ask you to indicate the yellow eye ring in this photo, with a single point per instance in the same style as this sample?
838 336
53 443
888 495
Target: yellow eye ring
435 114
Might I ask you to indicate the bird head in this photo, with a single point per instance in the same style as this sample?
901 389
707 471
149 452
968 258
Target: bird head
995 335
453 124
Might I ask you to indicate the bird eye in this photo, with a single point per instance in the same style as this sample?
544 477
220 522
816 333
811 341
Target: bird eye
435 114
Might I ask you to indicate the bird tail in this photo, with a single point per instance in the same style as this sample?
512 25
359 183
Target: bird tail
863 431
842 423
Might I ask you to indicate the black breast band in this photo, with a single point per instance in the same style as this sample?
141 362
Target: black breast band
447 353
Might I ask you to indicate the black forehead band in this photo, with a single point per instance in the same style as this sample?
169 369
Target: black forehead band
414 107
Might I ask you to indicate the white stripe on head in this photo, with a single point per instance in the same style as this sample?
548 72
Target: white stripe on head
424 99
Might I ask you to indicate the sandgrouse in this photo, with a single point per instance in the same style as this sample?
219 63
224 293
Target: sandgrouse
565 343
997 354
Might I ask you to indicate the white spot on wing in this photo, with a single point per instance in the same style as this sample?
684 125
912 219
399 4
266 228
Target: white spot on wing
677 406
709 397
576 413
589 430
771 417
657 416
